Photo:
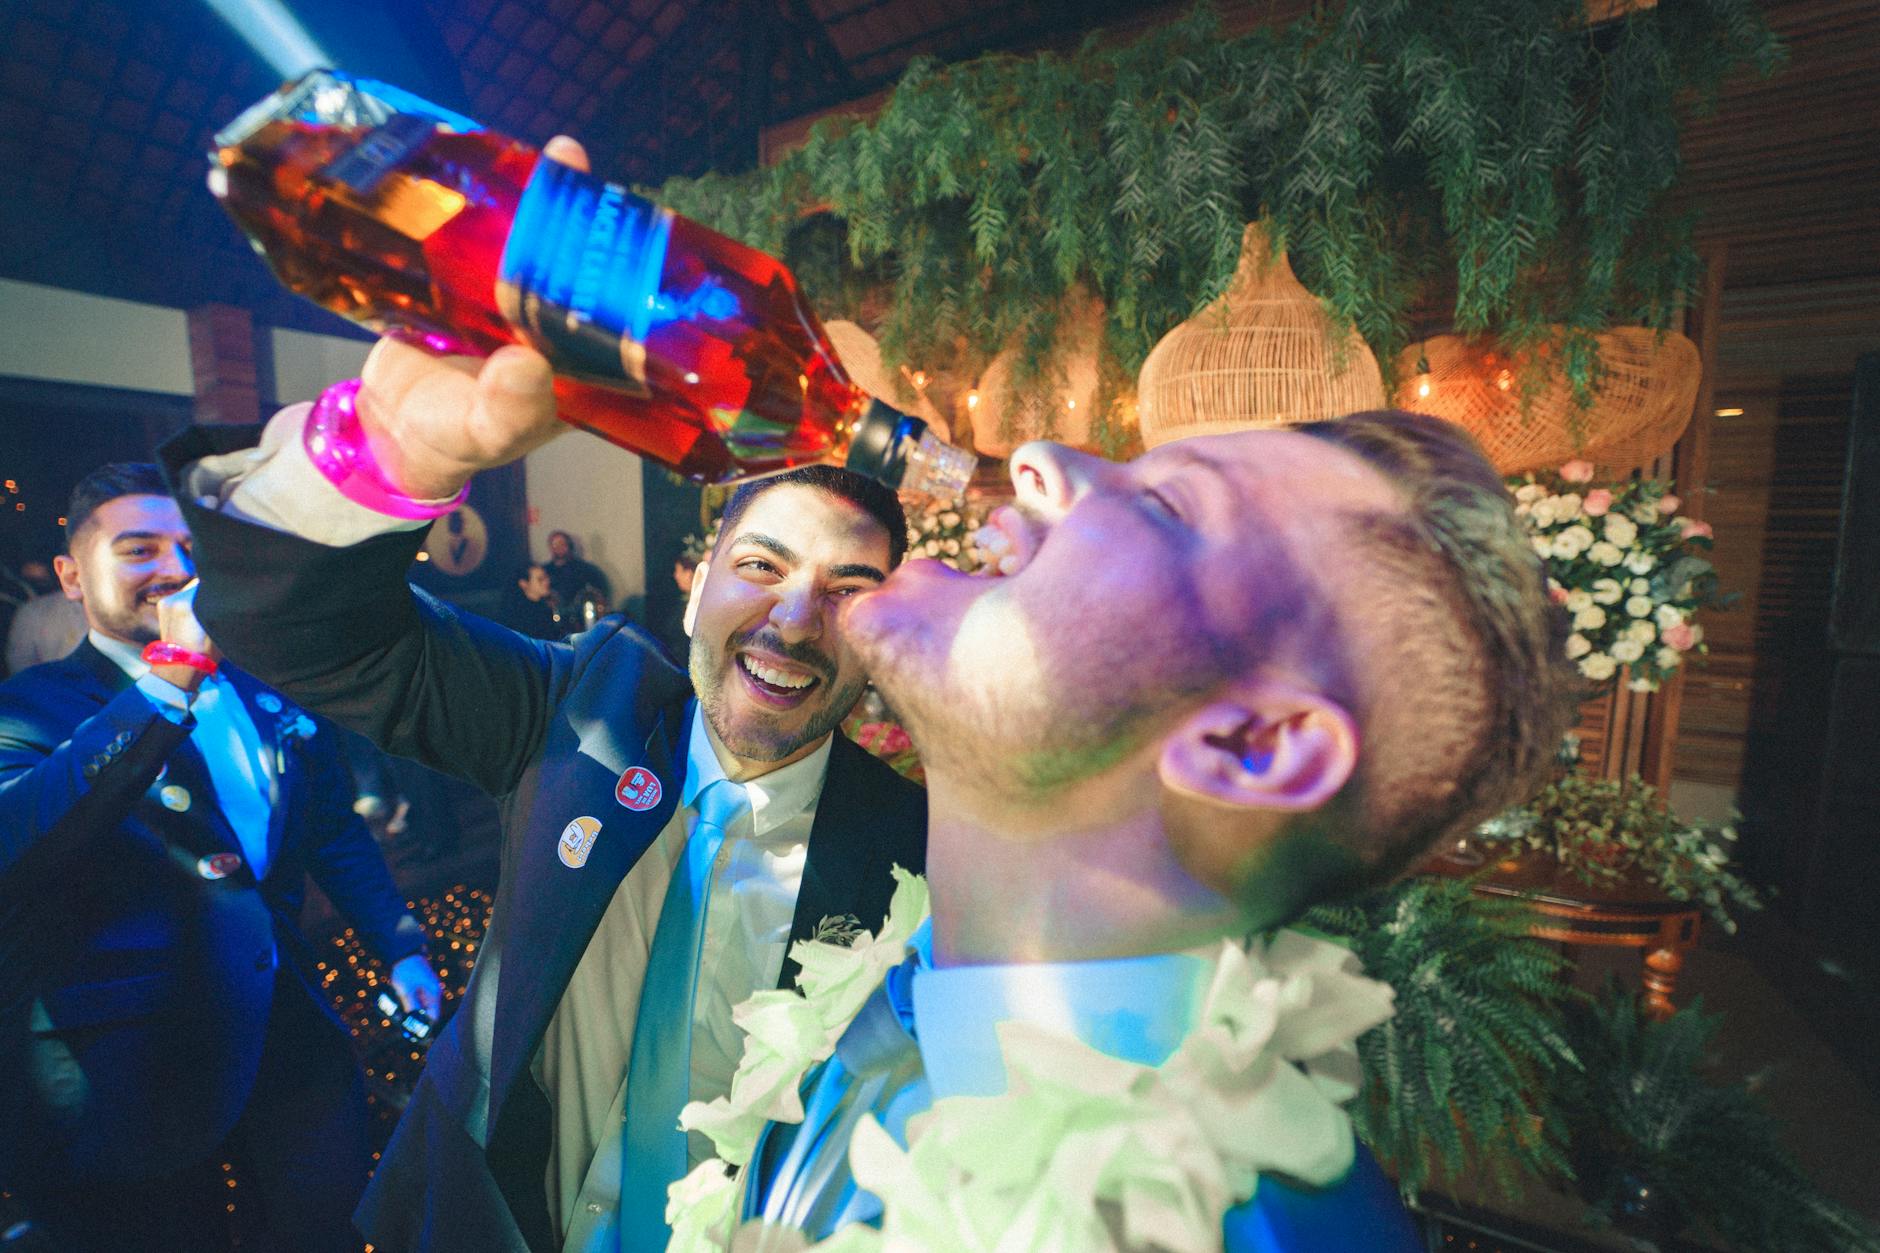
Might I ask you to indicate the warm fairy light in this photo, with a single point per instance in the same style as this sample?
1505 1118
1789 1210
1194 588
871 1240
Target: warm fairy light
12 486
423 556
1070 403
1722 413
691 376
61 522
1504 380
1423 389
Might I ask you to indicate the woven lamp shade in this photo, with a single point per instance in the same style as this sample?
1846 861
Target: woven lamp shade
860 355
1262 355
1648 384
1007 416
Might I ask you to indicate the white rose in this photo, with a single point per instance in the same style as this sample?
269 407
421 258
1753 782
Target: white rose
931 548
1621 530
1598 667
949 519
1568 506
1577 599
1543 547
1638 561
1642 631
952 547
1643 685
1606 553
1541 512
1608 591
1667 658
1573 541
1644 511
1640 587
1578 646
1639 606
1528 493
1697 635
1590 618
1627 651
1668 616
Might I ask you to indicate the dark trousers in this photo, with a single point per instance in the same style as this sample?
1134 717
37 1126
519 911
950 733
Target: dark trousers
298 1158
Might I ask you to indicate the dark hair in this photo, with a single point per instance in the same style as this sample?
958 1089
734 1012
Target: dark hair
572 547
107 483
526 568
872 497
1470 690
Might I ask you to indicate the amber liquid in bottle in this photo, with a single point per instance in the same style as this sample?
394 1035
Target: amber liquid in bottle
667 338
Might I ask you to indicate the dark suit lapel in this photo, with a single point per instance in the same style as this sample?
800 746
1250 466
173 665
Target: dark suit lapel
184 769
560 906
848 874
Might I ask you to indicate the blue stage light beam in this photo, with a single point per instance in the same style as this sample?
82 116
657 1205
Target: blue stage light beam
275 35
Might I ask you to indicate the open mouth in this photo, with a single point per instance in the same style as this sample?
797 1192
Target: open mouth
158 592
778 685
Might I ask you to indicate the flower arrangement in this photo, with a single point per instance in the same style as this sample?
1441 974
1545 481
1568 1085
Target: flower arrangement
1605 829
944 530
1625 566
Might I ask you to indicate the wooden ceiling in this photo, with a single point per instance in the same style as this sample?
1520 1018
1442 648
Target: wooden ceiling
107 106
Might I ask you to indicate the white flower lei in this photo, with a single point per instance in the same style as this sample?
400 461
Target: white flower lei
1084 1151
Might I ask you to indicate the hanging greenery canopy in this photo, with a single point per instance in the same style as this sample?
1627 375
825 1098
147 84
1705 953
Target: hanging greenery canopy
1503 151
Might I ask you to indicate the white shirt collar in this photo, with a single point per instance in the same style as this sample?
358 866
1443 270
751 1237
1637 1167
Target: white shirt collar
126 656
1138 1009
775 798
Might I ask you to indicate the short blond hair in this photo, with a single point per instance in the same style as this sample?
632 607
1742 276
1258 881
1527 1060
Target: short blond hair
1456 650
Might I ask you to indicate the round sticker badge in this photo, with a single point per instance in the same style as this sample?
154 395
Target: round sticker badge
577 841
639 789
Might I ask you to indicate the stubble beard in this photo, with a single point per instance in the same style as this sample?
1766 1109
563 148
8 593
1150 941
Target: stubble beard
711 673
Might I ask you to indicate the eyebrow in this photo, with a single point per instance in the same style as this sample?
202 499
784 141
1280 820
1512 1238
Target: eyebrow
781 550
121 536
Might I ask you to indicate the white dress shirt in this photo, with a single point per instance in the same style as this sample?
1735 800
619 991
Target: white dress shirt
225 735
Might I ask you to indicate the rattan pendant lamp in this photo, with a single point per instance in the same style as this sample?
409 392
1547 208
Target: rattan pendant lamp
1265 354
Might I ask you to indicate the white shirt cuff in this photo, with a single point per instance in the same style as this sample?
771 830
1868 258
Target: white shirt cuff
171 701
277 485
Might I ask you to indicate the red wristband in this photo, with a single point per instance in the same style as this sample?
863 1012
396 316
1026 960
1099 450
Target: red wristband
159 653
337 446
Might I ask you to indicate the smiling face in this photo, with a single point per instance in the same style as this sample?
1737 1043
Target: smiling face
773 671
130 553
1131 592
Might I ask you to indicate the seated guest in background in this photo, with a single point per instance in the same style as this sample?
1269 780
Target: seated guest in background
529 605
1235 677
570 576
666 835
159 814
45 627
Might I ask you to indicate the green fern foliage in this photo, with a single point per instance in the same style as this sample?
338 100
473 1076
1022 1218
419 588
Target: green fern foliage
1499 150
1643 1105
1461 1076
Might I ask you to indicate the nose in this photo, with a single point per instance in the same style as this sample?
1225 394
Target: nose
1049 477
797 612
178 562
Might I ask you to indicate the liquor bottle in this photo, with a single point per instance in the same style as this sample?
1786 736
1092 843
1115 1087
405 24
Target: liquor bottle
667 338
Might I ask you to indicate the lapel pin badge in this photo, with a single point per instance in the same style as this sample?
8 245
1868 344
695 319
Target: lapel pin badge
639 789
218 865
577 841
269 701
175 798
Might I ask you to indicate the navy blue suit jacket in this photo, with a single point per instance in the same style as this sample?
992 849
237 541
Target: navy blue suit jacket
134 991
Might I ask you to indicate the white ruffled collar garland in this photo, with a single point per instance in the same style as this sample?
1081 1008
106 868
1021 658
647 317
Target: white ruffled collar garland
1083 1151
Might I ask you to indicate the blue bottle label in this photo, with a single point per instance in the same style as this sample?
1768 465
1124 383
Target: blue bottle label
580 274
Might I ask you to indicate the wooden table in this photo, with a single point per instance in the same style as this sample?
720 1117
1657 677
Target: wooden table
1626 914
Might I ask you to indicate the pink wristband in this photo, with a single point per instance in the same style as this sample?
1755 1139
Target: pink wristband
337 444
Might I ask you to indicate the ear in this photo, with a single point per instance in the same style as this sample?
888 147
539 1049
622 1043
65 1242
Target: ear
691 600
67 570
1273 746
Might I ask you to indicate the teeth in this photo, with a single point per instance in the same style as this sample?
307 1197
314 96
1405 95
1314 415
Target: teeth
776 678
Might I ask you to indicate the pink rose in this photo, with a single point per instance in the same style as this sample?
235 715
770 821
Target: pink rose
1680 636
1558 594
1577 471
1668 504
1597 502
1691 527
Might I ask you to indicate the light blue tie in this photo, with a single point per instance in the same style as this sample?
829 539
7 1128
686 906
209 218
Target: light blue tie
659 1073
230 744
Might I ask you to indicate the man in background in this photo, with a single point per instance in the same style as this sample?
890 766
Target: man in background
528 605
159 814
572 578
